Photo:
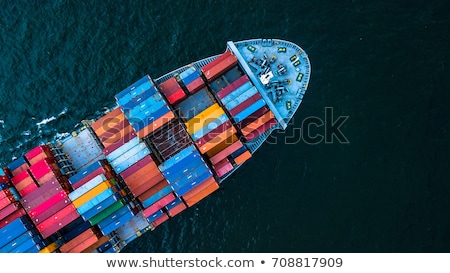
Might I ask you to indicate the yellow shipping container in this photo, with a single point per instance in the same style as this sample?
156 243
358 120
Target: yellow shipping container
91 194
196 122
50 248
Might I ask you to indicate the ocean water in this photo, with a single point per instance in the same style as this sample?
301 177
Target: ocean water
383 64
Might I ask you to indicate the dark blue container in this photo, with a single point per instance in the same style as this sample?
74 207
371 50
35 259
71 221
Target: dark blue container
14 230
113 217
84 172
120 97
104 247
137 100
182 188
192 175
117 223
76 231
173 204
17 163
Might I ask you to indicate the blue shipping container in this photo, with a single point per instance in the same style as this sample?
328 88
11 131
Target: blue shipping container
102 206
114 216
199 175
179 166
126 95
116 224
35 241
173 204
86 171
76 231
132 160
247 94
151 104
155 216
250 110
177 158
17 163
141 122
14 230
138 99
186 171
192 184
104 247
236 93
128 154
210 126
122 149
152 199
18 241
87 187
95 201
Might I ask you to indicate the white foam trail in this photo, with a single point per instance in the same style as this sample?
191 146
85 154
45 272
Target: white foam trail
45 121
60 136
2 123
26 133
63 112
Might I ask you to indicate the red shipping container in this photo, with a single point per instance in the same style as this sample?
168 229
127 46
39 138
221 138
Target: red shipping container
5 193
38 153
231 87
176 97
136 166
261 129
195 85
160 220
9 210
55 218
226 152
77 240
142 175
116 138
24 183
42 192
60 224
85 244
149 183
177 209
51 210
111 148
147 194
20 169
43 167
258 113
28 189
108 118
52 175
4 178
97 244
46 204
223 167
245 104
213 133
170 87
20 176
158 205
13 216
87 178
257 123
5 201
220 68
216 61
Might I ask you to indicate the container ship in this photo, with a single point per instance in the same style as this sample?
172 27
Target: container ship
166 144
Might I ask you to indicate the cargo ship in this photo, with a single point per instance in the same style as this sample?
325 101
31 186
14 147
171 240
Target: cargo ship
167 144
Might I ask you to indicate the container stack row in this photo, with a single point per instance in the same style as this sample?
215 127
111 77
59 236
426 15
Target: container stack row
144 107
170 139
10 208
50 208
219 65
185 172
191 80
172 90
20 236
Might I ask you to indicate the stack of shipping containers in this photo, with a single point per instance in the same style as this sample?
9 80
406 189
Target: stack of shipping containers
158 162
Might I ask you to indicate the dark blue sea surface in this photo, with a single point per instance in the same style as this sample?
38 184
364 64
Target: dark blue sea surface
383 64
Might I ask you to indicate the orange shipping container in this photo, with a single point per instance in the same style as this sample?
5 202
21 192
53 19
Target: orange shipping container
160 220
243 157
217 140
224 144
199 188
145 171
258 122
117 137
155 124
147 194
108 118
97 244
77 240
151 182
199 196
85 244
177 209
